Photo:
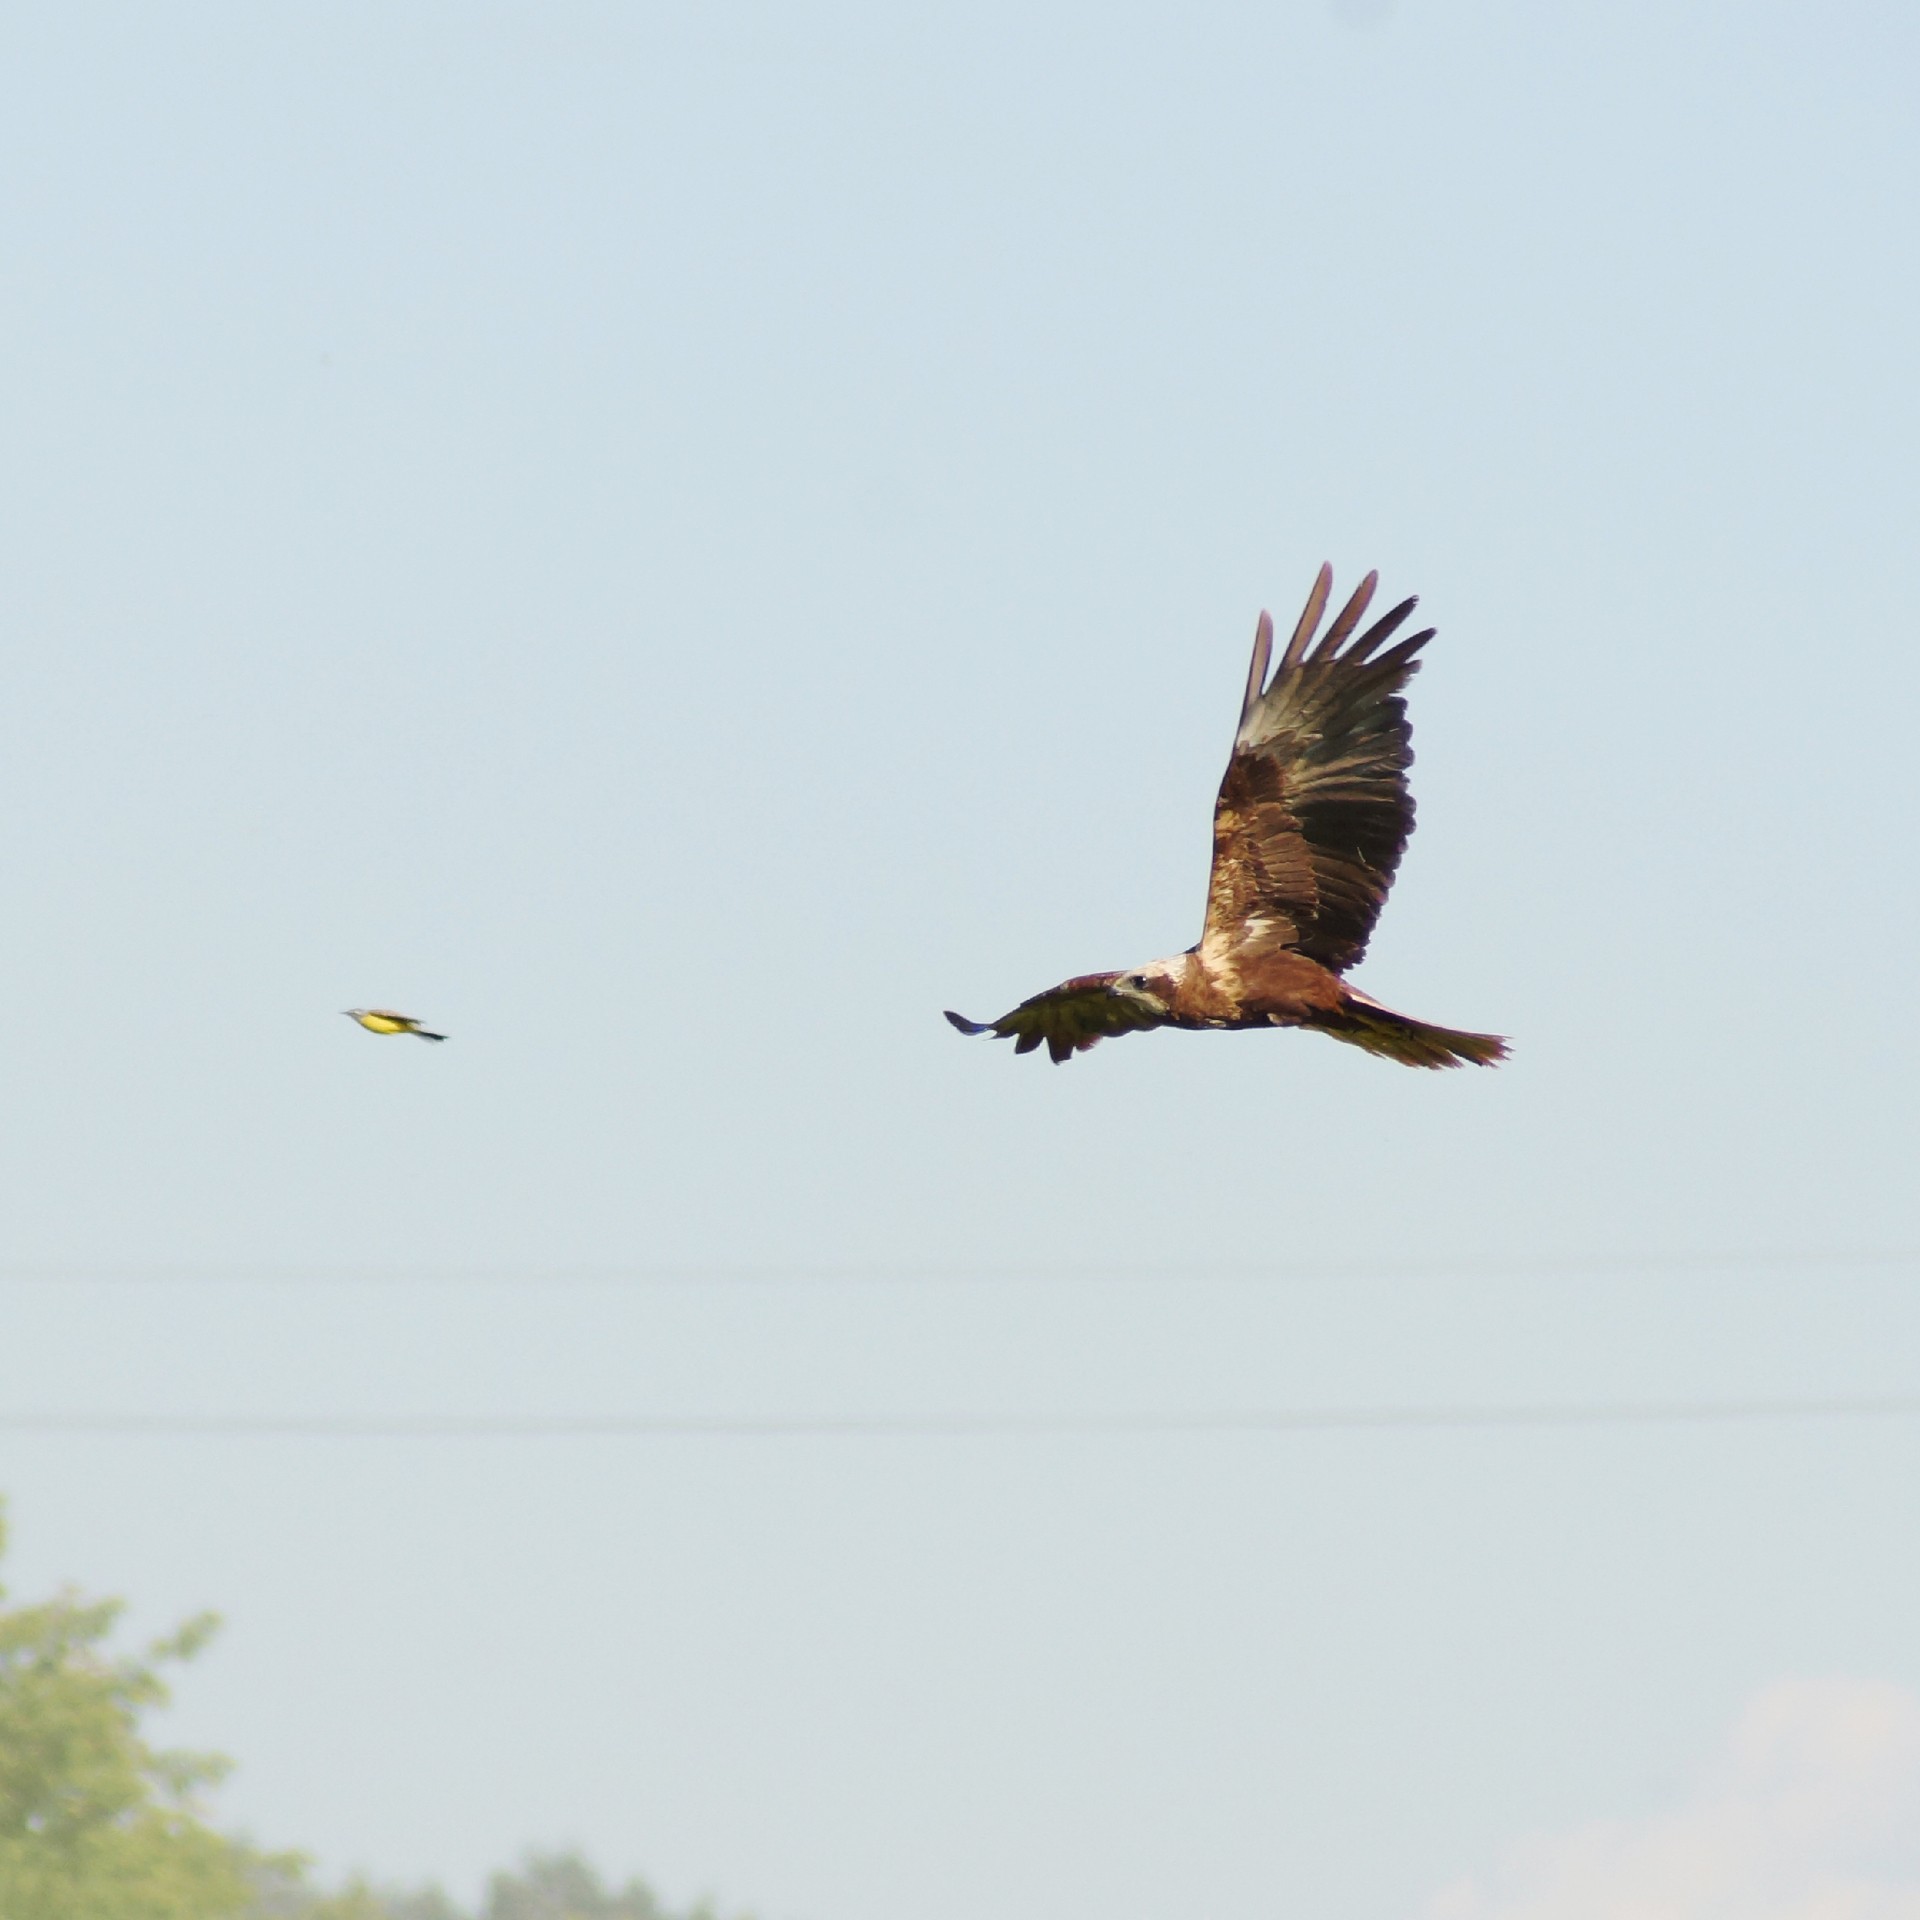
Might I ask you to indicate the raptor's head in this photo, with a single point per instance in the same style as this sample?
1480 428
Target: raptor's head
1153 985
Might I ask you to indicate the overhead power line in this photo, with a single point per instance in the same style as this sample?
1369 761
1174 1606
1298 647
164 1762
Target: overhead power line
959 1426
986 1273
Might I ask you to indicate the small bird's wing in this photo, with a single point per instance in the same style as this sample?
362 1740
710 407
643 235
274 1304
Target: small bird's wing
1071 1017
1314 812
399 1019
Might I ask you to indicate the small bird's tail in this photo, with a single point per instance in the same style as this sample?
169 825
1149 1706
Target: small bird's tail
420 1033
1362 1022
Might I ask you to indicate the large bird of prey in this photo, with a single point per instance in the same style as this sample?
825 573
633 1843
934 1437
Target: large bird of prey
1312 819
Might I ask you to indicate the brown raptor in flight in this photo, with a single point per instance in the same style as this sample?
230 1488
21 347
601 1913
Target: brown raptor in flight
1311 821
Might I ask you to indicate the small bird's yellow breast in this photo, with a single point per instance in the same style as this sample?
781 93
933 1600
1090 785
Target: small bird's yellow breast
383 1022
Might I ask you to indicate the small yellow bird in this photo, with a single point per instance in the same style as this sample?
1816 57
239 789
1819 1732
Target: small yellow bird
379 1020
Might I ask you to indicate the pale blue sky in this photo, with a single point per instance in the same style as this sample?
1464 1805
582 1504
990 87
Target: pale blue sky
677 546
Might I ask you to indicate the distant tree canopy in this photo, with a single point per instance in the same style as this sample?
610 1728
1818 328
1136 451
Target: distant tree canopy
561 1886
94 1821
97 1825
548 1886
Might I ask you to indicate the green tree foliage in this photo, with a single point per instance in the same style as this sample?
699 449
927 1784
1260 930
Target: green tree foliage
547 1886
95 1824
281 1892
561 1886
93 1821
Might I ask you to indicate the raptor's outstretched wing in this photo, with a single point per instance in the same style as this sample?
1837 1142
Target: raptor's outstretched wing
1071 1017
1314 811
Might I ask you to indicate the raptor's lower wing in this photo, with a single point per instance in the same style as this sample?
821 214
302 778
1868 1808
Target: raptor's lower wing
1071 1017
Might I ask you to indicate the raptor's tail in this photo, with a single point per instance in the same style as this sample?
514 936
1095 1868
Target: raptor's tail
1362 1022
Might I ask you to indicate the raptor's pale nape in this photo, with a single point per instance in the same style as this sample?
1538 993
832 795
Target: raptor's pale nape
1312 819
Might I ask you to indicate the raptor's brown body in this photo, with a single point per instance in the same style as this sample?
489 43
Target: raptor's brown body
1312 818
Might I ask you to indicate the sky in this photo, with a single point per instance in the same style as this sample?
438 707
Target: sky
677 546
